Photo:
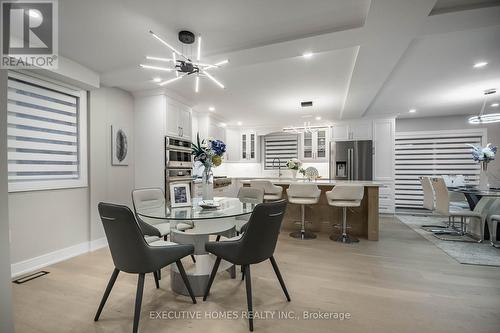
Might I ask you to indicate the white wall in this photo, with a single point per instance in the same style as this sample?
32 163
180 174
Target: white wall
450 123
109 106
242 169
6 324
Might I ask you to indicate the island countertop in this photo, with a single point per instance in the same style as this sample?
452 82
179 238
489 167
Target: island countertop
319 182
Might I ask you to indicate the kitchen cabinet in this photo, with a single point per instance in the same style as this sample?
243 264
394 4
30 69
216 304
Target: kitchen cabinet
178 120
357 130
248 146
383 162
232 145
314 146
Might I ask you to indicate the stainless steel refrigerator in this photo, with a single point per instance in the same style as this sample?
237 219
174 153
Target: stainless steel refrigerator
351 160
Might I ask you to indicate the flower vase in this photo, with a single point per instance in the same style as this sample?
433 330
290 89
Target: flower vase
483 180
208 184
294 174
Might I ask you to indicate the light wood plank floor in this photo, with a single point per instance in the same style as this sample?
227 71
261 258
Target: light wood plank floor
400 284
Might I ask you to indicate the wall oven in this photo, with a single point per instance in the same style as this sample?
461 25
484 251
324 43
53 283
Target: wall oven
178 163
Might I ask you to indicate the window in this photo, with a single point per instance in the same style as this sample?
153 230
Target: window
279 145
433 154
47 135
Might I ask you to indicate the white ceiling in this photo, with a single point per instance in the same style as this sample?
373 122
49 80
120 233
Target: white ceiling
371 58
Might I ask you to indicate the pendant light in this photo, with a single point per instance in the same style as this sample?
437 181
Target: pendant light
482 118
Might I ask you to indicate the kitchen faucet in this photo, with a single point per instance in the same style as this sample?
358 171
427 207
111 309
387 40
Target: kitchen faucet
279 166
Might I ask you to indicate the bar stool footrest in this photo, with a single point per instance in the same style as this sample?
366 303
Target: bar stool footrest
303 235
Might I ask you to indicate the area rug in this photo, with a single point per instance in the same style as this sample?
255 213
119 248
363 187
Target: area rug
470 253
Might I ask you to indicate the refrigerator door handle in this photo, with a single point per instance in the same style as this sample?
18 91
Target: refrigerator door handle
349 164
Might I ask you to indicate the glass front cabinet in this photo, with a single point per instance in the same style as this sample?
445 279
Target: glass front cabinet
315 145
248 146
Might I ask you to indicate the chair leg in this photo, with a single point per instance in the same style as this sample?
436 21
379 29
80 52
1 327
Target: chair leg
280 278
159 274
193 258
248 282
185 279
212 277
138 302
157 282
242 272
218 238
106 293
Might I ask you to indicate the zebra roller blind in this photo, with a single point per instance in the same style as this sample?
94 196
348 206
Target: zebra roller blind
279 145
44 141
433 153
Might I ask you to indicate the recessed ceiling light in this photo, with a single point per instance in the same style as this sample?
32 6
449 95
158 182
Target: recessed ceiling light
211 108
480 64
318 118
307 54
223 124
412 110
494 105
239 123
157 79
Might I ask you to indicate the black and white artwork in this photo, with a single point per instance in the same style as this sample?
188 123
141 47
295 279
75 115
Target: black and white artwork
119 146
180 195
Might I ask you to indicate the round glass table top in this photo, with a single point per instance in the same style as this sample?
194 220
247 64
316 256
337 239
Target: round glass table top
491 192
228 207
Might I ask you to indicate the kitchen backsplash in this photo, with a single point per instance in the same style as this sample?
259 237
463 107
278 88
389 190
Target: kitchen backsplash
241 170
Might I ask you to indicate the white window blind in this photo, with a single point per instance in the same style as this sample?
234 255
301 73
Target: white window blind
433 153
280 145
46 136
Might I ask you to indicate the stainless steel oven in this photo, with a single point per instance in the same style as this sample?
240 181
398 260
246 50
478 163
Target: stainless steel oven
178 163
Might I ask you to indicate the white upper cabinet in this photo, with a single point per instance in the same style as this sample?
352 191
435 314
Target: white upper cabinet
233 146
314 146
383 146
178 120
356 130
248 146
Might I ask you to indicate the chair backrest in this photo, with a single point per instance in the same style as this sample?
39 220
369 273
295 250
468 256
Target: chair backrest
148 197
126 242
251 195
428 193
442 196
347 192
265 185
484 205
303 190
259 240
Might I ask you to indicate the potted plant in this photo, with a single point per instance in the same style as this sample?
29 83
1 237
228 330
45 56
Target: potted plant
294 165
483 155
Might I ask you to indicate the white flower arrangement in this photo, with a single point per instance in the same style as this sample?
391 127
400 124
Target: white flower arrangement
293 164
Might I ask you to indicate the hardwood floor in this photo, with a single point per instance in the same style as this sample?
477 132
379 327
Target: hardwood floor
401 283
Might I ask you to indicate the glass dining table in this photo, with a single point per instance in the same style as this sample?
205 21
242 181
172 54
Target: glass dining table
473 194
218 221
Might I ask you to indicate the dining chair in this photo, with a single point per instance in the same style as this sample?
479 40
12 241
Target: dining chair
249 195
151 198
479 213
271 191
493 221
255 245
429 204
131 254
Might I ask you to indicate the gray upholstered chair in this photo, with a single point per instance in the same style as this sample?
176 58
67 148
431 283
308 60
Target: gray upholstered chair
343 196
131 253
271 192
303 194
150 198
257 244
249 195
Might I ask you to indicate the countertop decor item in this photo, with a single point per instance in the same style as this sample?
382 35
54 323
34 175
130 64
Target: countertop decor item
294 165
209 152
311 173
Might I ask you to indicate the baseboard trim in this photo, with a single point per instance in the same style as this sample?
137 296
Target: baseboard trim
29 265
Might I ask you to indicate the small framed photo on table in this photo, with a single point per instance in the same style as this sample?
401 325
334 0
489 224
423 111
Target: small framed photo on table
180 195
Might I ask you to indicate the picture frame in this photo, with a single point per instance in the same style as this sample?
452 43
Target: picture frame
119 146
180 195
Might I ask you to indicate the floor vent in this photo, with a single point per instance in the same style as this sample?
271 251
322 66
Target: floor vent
30 277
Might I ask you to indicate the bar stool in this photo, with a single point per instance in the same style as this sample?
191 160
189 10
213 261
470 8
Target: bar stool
271 192
303 194
345 196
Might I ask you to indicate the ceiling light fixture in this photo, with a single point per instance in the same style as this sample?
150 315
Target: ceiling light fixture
223 124
197 84
318 118
412 110
170 81
494 105
480 64
157 79
211 108
307 55
482 118
239 123
156 68
182 64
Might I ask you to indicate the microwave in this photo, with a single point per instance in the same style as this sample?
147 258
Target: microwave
178 153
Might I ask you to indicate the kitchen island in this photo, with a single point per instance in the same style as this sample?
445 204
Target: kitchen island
364 220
